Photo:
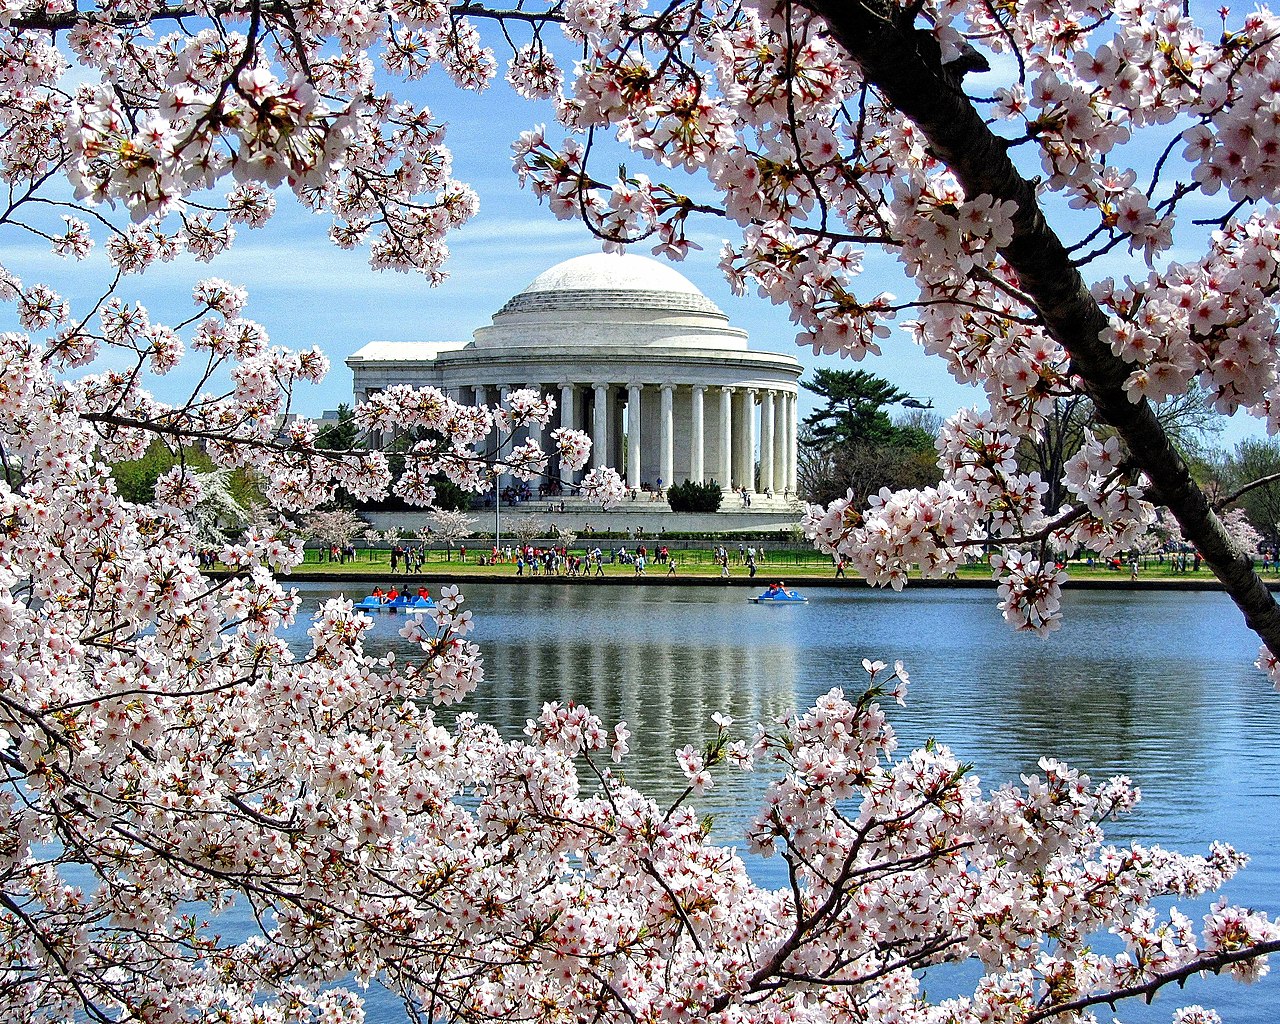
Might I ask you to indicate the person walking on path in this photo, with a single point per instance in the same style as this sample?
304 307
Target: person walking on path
671 565
840 569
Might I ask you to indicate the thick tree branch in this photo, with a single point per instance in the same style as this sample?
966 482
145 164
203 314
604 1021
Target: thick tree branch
1240 492
913 79
1214 962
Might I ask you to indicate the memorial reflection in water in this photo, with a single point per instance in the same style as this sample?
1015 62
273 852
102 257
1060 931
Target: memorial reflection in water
1157 686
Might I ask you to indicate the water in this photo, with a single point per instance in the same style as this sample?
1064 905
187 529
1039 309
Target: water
1156 686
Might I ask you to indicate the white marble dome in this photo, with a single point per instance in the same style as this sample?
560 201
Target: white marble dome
611 299
604 271
636 355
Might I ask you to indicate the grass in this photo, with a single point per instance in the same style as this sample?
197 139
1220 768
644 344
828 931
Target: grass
790 562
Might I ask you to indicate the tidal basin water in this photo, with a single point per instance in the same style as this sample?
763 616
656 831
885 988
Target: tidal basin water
1156 686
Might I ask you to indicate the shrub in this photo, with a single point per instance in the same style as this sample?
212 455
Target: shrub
691 497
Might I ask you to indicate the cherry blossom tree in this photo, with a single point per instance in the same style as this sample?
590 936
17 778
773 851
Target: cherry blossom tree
334 527
833 134
167 755
450 525
216 513
529 528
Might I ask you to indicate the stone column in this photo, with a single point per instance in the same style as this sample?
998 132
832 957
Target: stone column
791 445
666 436
749 441
372 441
480 397
534 428
766 441
568 414
633 434
568 419
726 440
600 427
618 430
739 437
696 446
533 432
780 435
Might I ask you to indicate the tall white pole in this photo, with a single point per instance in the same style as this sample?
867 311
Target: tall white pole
504 396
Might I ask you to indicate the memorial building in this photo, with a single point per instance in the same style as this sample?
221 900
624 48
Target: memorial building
638 358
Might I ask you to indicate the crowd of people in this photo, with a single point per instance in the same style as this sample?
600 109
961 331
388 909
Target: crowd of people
341 553
409 558
557 561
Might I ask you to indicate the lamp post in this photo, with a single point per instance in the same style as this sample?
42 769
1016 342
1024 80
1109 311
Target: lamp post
497 510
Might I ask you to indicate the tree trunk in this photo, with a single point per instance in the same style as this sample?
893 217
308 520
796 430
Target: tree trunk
913 80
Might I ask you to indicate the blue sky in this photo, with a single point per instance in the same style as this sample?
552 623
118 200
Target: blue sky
307 292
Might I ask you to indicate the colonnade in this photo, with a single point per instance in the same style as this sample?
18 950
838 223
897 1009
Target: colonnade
674 432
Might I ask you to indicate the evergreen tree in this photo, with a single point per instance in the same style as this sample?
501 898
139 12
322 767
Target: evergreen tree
856 408
340 436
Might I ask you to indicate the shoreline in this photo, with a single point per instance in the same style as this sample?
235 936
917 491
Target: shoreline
1206 582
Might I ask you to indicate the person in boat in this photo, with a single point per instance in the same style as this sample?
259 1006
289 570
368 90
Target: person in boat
422 593
392 595
377 592
774 589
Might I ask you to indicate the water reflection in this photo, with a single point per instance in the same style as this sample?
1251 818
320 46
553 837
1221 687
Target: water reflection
1157 686
662 667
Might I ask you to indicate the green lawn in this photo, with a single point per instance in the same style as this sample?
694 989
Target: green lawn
795 563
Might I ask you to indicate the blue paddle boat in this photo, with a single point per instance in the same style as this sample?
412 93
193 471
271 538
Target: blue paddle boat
407 603
779 595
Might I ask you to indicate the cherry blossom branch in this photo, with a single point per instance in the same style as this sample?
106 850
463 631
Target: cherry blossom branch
912 80
1214 963
46 21
87 1004
926 956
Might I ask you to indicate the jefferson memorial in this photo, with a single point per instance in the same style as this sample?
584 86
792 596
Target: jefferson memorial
637 357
